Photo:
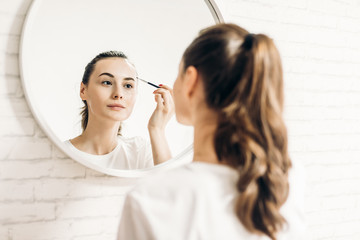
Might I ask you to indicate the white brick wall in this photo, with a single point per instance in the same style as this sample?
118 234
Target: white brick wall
319 41
45 195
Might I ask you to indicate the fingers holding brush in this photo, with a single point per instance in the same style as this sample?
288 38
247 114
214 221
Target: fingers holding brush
164 98
164 108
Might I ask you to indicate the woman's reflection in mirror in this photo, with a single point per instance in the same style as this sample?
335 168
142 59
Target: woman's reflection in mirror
239 185
108 91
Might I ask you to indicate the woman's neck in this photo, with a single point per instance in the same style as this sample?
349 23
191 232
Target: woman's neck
99 137
204 130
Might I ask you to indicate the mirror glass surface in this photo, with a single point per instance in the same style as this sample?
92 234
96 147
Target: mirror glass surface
61 37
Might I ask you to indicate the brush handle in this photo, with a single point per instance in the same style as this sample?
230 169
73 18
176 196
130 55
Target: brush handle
154 85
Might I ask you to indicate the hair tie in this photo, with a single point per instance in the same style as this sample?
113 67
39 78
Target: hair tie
248 41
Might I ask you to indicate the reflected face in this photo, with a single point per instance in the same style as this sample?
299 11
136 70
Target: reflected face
181 109
112 89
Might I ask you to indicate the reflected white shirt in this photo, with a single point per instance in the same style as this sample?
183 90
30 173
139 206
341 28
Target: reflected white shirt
130 153
196 201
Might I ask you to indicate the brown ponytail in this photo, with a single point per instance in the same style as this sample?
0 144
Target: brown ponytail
242 76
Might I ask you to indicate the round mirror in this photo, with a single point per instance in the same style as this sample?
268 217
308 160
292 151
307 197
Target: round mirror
60 37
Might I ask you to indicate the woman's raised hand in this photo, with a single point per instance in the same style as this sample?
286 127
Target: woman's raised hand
163 112
164 109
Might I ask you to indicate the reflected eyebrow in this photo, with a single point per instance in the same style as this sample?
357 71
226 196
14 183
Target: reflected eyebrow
112 76
129 78
107 74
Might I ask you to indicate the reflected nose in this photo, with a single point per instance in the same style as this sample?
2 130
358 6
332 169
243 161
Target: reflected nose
117 94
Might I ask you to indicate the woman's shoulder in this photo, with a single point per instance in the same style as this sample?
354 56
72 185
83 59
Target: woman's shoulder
193 178
70 145
211 187
166 179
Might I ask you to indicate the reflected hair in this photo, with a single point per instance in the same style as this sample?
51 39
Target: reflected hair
89 69
243 84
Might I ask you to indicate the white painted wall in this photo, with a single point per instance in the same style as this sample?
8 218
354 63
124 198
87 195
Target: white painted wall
45 195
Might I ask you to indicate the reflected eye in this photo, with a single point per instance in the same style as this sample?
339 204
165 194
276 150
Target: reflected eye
106 83
128 85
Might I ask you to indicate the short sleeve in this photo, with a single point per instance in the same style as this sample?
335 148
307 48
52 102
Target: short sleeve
293 209
133 223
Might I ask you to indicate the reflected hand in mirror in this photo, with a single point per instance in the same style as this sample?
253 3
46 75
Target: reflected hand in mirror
109 90
163 112
145 40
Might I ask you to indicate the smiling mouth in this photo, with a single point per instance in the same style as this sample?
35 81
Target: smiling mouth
116 106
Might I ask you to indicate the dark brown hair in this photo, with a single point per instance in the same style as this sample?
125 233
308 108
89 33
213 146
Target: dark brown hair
89 69
243 83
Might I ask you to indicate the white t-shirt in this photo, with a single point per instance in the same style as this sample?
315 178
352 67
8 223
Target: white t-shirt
196 201
130 153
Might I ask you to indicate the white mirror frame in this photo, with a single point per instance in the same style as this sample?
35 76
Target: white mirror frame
180 159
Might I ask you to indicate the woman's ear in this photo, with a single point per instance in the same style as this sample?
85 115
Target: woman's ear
190 80
83 91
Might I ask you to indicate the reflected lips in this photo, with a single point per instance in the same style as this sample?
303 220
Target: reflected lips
116 107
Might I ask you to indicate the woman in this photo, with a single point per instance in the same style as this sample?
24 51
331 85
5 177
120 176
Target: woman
108 90
230 88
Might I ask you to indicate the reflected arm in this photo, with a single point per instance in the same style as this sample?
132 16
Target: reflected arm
159 145
157 123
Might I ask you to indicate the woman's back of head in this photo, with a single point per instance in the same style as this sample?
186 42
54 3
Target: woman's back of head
242 78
